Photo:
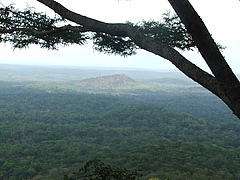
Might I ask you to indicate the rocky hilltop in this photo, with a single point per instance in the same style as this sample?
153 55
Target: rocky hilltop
117 81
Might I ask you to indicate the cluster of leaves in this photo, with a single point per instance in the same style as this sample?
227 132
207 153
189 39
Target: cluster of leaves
114 44
96 169
23 28
19 28
170 31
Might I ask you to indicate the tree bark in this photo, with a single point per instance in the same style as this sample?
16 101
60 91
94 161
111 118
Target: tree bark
216 84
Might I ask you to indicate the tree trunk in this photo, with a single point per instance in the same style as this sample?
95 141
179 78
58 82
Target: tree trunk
225 85
210 52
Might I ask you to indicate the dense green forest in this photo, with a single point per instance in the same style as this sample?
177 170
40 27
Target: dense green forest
53 120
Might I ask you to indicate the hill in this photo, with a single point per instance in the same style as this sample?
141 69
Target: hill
117 81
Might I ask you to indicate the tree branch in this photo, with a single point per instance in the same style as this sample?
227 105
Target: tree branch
47 32
205 43
146 43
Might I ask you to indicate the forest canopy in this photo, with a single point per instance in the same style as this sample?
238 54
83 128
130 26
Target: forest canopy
52 127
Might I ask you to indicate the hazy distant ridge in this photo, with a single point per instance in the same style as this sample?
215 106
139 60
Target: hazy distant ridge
117 81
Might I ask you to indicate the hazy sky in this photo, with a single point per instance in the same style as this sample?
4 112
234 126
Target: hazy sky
220 16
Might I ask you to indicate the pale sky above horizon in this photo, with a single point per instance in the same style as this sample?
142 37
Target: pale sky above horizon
220 16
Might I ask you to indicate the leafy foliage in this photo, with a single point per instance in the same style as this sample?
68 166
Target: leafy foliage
23 28
97 170
170 31
20 29
114 44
